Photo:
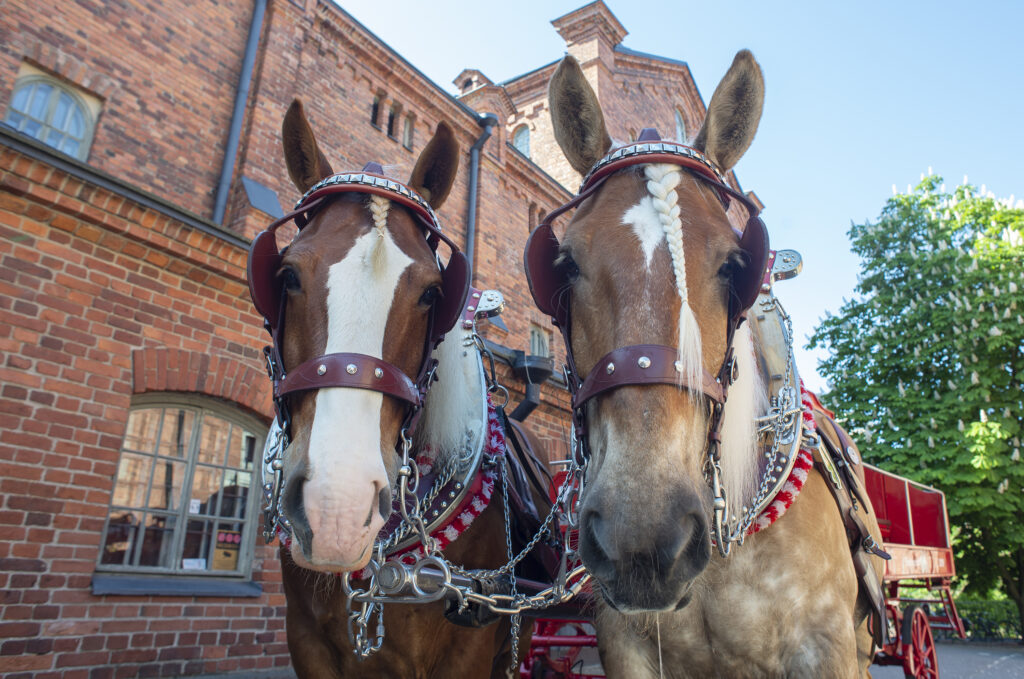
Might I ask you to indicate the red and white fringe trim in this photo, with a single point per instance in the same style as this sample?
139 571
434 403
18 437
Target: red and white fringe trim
804 461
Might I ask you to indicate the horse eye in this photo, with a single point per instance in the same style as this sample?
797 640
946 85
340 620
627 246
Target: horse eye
289 279
730 267
430 296
567 265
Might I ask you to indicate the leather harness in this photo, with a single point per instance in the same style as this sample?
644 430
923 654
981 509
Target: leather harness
352 370
645 364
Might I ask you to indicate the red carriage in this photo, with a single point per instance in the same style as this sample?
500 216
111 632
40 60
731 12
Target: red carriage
915 531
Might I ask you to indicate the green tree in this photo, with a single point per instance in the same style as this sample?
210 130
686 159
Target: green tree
926 364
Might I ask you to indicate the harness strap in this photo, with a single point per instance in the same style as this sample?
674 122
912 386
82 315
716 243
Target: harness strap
843 484
642 364
357 371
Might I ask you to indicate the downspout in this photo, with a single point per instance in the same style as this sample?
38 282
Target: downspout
486 121
241 97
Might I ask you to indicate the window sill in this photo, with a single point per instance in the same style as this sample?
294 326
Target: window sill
172 585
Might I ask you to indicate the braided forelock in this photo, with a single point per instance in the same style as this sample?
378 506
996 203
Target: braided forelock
662 180
379 207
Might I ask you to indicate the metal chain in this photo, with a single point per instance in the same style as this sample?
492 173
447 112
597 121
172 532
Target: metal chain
516 617
432 577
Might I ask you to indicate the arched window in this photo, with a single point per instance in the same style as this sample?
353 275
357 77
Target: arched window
521 140
680 127
52 113
184 498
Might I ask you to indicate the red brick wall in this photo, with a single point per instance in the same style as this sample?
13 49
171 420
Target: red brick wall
166 73
102 299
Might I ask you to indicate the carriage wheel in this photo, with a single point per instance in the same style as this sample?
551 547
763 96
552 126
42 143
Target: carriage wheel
919 658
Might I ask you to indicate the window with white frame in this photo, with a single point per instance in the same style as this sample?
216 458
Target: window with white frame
184 499
52 112
521 140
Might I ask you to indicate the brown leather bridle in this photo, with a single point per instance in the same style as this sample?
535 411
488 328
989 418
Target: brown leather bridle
644 364
353 370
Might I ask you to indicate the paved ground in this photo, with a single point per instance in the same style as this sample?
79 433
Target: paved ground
956 661
970 661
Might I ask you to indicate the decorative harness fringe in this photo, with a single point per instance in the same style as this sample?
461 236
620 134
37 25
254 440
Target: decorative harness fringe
786 495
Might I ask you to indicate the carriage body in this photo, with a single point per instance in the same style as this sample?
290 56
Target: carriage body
915 531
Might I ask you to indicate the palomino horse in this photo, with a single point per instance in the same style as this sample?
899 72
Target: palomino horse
356 304
669 422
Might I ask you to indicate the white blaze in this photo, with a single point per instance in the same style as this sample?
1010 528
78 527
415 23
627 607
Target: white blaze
346 471
646 225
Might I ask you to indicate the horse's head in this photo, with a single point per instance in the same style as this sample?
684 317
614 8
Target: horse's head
650 258
359 278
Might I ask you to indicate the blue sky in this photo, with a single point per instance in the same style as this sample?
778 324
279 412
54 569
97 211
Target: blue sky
859 97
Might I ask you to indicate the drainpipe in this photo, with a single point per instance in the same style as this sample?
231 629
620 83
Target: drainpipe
241 96
486 121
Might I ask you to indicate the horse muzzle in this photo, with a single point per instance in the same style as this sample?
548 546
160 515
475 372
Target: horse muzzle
648 565
331 531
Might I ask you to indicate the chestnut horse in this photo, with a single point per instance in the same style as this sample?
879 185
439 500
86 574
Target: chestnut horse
361 276
784 603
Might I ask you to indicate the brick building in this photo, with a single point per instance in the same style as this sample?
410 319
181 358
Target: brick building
139 154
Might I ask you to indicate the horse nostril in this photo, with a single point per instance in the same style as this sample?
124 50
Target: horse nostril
384 502
294 508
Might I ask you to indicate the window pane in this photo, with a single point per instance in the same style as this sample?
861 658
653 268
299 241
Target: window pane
20 100
168 478
33 128
15 119
122 532
60 113
158 541
76 126
198 543
132 480
70 147
205 490
140 434
40 99
227 547
234 494
213 443
177 432
242 449
53 138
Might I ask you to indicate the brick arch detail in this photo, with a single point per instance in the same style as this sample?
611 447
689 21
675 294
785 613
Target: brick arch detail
224 377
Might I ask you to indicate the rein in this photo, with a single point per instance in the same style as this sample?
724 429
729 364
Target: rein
348 370
646 364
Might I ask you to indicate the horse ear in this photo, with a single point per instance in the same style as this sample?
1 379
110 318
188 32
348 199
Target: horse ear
576 117
733 113
306 162
435 169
